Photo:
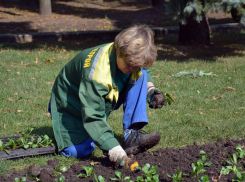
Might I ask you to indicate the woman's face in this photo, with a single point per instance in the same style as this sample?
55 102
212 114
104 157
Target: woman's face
124 67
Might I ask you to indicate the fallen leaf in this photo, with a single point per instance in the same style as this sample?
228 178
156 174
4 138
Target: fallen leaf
9 99
230 88
15 93
234 112
9 110
6 83
156 76
19 111
214 98
50 83
47 114
7 70
18 72
4 126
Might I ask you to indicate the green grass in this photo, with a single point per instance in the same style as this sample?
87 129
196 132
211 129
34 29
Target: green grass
203 109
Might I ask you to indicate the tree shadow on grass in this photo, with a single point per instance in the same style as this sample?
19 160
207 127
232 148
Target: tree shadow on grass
168 47
45 130
222 45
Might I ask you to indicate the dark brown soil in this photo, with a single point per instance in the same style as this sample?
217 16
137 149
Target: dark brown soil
167 160
22 16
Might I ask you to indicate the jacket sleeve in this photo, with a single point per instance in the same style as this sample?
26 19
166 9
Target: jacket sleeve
93 110
149 75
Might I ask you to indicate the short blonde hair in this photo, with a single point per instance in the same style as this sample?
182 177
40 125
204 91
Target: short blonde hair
136 46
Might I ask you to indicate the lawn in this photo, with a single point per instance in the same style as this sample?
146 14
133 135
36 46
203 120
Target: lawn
205 108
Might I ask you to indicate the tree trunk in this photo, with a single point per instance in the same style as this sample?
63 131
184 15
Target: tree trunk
194 32
45 8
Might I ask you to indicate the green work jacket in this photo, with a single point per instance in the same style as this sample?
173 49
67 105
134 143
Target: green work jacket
84 94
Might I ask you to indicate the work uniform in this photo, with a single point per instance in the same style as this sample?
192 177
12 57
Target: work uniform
84 94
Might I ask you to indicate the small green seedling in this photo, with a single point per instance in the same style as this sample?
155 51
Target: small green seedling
204 155
240 152
35 177
235 165
36 143
4 146
176 177
61 168
240 177
46 141
62 179
27 133
119 177
198 167
14 143
18 180
150 174
99 179
168 98
204 179
24 142
89 171
140 179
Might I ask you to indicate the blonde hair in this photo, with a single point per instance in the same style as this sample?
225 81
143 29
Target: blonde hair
136 46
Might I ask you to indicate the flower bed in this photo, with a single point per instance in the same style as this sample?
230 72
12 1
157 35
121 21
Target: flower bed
167 161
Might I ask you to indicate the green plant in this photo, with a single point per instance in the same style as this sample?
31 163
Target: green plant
168 98
24 142
35 177
197 167
18 180
61 168
204 155
99 179
62 179
204 179
176 177
28 132
150 174
34 142
240 152
14 143
3 146
240 176
234 165
46 141
89 171
119 177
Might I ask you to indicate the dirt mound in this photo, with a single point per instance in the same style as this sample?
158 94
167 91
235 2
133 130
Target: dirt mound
167 161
